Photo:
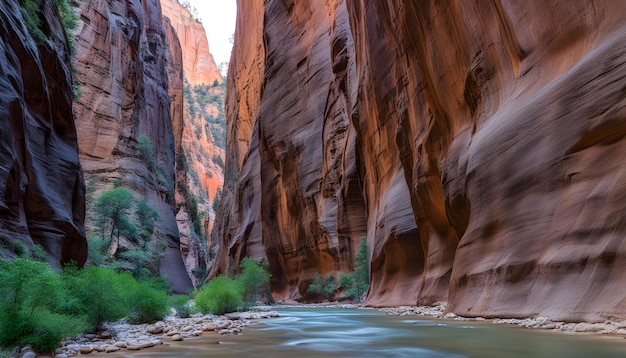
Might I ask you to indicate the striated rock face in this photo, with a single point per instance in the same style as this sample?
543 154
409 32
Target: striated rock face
42 193
198 62
198 102
297 201
121 64
478 146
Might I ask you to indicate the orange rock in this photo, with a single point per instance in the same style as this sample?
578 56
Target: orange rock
479 147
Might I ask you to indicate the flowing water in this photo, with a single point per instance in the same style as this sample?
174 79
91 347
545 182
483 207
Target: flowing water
369 333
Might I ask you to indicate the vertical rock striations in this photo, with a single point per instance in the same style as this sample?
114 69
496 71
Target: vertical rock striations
478 146
200 150
121 64
41 185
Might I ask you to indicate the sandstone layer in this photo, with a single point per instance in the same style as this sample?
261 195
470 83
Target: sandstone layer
121 64
42 193
198 63
198 102
478 146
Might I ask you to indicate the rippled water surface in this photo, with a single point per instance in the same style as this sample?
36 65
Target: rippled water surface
369 333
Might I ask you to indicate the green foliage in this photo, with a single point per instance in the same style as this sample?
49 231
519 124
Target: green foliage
148 303
103 295
111 207
254 280
31 14
146 150
137 262
221 295
39 253
146 216
100 294
69 21
97 250
357 283
32 303
323 286
182 306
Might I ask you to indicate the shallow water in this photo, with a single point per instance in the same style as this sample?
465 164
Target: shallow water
369 333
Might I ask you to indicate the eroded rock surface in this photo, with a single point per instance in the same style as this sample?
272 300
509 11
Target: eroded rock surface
42 193
479 147
121 64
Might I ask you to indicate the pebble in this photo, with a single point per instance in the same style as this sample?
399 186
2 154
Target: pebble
86 349
29 355
177 337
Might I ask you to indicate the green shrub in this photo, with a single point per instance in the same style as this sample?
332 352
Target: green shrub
182 306
32 303
221 295
146 151
31 14
100 294
323 286
147 303
112 208
97 250
254 280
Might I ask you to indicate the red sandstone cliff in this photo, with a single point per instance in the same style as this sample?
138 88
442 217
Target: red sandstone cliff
198 63
121 64
42 193
479 147
200 144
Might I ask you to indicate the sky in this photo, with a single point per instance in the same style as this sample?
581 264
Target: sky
218 18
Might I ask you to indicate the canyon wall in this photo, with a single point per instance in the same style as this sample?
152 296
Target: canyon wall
478 146
121 65
200 151
42 193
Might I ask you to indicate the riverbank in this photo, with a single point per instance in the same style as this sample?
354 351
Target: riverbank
122 336
613 328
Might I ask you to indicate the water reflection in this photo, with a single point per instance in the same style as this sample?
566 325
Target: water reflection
369 333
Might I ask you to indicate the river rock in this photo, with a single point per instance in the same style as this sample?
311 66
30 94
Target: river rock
111 349
197 333
154 329
177 337
86 349
29 355
121 344
208 327
60 355
105 335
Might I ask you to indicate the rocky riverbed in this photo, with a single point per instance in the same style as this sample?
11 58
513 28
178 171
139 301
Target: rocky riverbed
124 336
605 328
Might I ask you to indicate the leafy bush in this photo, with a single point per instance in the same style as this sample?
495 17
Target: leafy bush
146 151
357 283
254 280
32 299
31 14
147 302
100 294
221 295
97 249
182 306
323 286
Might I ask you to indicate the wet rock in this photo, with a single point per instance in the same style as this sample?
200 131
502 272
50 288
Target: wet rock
177 337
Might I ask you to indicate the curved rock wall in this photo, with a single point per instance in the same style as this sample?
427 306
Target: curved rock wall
42 193
121 64
479 146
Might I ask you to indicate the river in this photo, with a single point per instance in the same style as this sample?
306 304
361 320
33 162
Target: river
335 332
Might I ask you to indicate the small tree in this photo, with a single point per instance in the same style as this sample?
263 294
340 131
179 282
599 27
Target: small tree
254 280
323 286
113 208
357 283
147 151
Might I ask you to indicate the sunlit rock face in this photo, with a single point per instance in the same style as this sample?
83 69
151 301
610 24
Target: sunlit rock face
42 193
200 151
198 63
121 64
478 146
